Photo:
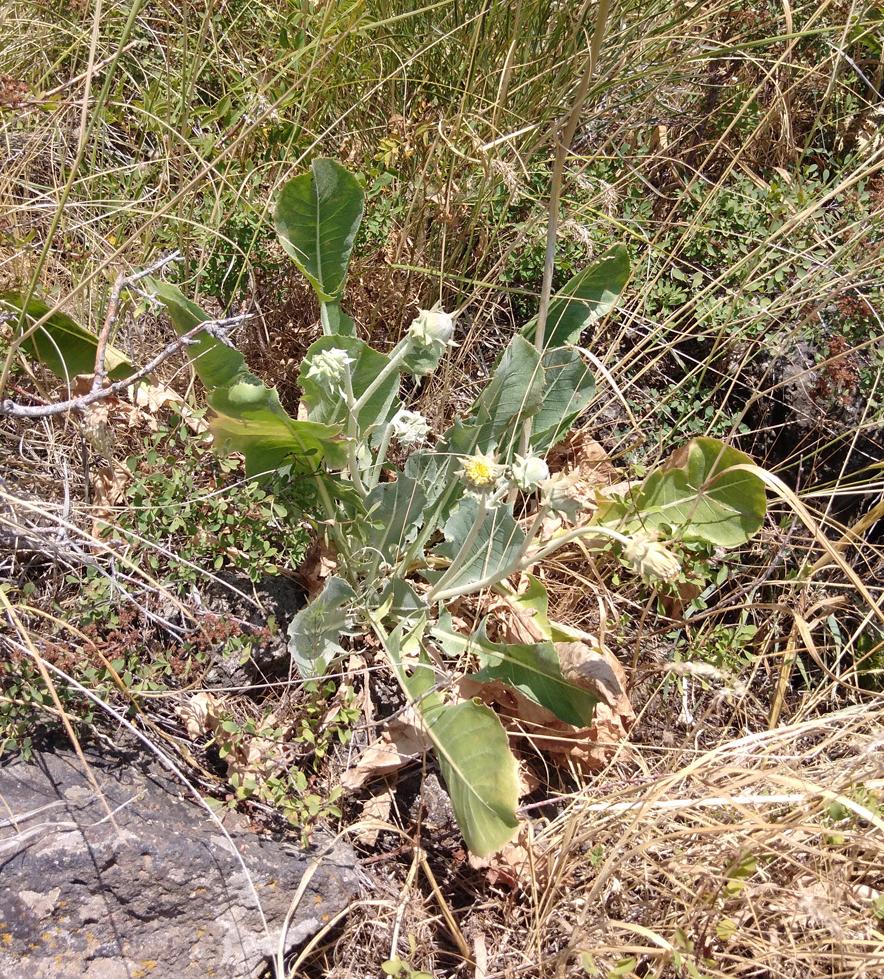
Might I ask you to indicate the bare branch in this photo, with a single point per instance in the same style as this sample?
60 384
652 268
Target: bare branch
215 328
123 281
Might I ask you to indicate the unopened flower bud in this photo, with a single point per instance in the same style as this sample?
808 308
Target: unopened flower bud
328 367
409 427
558 494
432 330
528 472
651 559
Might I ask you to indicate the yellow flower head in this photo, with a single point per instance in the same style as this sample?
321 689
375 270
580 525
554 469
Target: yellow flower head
480 471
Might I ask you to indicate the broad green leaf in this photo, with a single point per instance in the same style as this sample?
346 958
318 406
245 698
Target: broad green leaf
401 601
535 599
329 406
315 632
215 362
339 323
534 670
474 755
583 300
421 361
317 217
697 495
470 743
514 393
60 343
250 418
531 668
479 769
264 437
494 549
568 388
393 514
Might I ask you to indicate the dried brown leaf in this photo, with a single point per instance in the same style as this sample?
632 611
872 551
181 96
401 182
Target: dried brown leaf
403 740
592 747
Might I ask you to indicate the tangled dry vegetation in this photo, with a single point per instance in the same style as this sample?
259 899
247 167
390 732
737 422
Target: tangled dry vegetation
733 824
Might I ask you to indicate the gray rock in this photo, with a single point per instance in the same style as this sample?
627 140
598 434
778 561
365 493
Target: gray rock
160 895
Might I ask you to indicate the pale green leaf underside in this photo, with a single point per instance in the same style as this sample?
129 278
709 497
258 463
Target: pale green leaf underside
474 756
697 495
498 543
315 632
480 772
471 746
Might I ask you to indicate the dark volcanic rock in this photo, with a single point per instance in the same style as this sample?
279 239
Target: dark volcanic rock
232 596
160 895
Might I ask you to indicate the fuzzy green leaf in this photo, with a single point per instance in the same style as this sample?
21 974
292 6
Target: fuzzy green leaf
583 300
393 513
250 418
317 216
531 668
315 632
514 393
495 547
534 670
470 744
695 494
479 769
568 388
60 343
329 406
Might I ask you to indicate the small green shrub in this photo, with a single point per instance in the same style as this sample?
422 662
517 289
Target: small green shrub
472 506
185 518
278 762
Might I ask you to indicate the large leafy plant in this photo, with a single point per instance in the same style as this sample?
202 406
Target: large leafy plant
468 510
411 540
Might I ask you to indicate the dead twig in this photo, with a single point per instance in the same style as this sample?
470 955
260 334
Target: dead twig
113 307
215 328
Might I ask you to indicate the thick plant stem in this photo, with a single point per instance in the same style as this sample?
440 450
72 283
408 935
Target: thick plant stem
463 552
400 351
329 507
374 474
324 320
558 542
353 436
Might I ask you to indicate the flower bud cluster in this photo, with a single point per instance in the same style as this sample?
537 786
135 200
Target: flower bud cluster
651 559
410 428
329 367
528 472
432 331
